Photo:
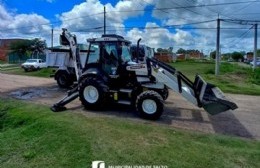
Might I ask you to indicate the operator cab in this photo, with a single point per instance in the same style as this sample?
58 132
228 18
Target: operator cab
110 54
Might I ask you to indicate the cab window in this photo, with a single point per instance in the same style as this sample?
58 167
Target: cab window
94 54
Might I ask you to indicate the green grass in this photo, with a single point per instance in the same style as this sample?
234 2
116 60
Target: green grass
2 62
17 70
32 136
232 79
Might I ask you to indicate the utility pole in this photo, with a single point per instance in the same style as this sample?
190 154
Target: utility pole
51 37
255 47
104 19
217 48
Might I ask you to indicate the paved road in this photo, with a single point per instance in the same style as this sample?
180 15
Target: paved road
242 122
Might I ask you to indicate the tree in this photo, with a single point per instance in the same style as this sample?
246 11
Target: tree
163 50
237 56
226 56
159 50
27 47
38 45
181 51
20 47
170 50
213 54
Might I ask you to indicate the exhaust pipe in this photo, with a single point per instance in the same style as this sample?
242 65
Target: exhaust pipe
137 49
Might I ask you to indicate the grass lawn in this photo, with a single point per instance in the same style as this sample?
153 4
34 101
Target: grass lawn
32 136
232 79
2 62
17 70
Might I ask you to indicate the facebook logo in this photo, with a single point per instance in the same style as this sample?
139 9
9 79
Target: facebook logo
98 164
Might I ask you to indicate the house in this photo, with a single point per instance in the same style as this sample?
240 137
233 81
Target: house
5 47
165 57
249 57
181 56
195 54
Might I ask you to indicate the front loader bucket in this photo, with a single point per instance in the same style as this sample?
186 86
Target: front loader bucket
212 98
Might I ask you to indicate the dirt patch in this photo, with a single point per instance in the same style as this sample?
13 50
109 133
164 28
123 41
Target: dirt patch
242 122
26 94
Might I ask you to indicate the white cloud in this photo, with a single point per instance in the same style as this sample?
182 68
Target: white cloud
160 37
206 32
23 25
83 17
89 14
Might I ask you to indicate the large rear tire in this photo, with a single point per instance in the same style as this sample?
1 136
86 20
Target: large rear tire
149 104
63 79
92 92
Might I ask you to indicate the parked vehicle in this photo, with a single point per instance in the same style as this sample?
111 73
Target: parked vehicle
113 77
33 64
61 60
257 62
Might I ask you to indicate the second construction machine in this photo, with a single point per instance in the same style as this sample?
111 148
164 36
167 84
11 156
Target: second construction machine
111 75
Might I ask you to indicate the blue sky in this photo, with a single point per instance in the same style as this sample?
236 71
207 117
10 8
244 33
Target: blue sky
42 7
35 18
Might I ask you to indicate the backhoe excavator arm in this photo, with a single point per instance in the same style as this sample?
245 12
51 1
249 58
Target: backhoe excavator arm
68 39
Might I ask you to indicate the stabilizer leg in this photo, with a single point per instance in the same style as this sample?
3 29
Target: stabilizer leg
60 106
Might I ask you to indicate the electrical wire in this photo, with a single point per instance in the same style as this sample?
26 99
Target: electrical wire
186 7
52 23
241 21
243 35
161 9
214 11
166 11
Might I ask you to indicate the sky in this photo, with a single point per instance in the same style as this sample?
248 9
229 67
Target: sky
188 24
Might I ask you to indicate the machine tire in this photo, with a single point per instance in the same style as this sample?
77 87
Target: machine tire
92 92
164 93
149 104
63 79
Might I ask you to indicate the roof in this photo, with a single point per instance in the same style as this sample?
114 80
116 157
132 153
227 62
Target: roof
109 37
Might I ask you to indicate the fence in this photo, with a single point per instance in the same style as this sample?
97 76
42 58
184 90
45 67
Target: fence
14 58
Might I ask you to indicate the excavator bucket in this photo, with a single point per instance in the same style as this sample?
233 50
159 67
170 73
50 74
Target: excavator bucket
199 92
211 98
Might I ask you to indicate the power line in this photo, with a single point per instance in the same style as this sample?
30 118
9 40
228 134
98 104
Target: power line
217 12
165 11
256 13
51 23
243 35
240 9
188 9
161 9
241 21
191 6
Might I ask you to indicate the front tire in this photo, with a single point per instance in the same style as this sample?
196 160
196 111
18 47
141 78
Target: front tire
164 93
149 104
92 92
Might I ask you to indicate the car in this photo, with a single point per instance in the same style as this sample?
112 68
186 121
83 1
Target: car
33 64
257 62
